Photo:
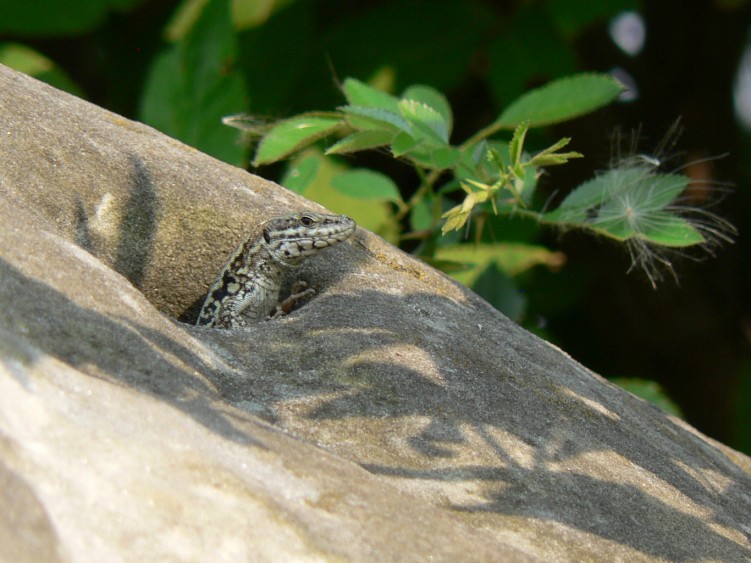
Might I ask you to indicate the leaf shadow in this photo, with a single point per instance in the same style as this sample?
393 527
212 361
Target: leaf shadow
500 383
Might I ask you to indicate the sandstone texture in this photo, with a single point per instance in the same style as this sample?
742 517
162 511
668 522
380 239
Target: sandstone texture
394 417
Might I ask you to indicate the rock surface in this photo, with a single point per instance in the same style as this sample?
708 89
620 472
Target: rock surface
396 416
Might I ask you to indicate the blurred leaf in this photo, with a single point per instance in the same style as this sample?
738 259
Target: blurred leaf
421 216
511 258
376 216
366 184
292 135
444 158
649 391
192 85
54 18
446 266
244 14
301 174
184 19
560 100
247 14
501 292
33 63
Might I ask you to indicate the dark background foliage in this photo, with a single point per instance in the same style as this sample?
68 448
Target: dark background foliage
147 60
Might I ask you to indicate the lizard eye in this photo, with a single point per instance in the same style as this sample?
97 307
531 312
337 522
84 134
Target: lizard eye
306 220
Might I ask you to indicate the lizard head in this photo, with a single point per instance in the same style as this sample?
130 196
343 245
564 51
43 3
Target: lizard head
290 239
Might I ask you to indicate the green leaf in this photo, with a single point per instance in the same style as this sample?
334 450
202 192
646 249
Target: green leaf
360 94
373 118
617 228
426 120
433 158
649 391
469 161
193 84
402 144
630 202
456 218
445 158
658 190
528 187
667 229
33 63
575 206
517 143
361 140
589 194
549 156
608 195
474 162
561 100
301 174
366 184
292 135
432 98
421 216
554 159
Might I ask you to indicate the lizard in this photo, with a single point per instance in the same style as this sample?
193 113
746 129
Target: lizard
247 288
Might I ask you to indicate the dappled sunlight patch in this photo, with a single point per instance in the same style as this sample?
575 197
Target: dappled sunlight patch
596 406
406 356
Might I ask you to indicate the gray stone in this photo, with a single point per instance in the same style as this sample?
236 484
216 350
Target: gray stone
396 416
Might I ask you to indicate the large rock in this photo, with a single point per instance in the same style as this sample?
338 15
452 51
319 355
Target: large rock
395 416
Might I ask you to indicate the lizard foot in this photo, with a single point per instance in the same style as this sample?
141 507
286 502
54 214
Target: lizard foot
300 292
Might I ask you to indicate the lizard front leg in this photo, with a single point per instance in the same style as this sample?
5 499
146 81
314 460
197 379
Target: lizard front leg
299 292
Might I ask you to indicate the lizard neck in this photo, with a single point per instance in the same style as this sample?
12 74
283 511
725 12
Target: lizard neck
265 265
